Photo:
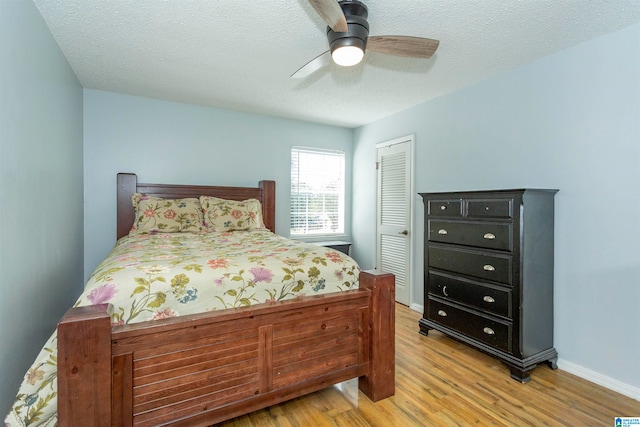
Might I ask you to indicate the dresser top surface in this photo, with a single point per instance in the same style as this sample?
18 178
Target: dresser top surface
488 192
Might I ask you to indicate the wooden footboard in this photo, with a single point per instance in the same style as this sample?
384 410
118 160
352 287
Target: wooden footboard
202 369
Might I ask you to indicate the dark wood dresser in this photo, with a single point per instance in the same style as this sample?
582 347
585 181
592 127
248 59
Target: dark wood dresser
488 276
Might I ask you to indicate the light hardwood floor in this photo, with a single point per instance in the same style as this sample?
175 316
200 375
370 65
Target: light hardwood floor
441 382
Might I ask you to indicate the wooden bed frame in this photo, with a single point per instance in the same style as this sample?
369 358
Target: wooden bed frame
202 369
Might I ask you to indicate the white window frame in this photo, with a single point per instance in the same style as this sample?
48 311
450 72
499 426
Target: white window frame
334 220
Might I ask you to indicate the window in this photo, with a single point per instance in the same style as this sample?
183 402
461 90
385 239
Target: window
317 192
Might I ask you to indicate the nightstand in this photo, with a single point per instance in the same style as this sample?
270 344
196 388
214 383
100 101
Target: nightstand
338 245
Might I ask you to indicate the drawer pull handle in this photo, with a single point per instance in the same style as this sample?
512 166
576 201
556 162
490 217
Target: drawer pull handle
488 331
444 291
489 236
489 267
442 313
487 298
442 231
443 207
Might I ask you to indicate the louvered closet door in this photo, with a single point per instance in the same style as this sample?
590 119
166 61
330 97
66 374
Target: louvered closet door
394 214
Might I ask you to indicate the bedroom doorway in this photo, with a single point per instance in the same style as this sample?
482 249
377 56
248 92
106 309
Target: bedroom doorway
394 209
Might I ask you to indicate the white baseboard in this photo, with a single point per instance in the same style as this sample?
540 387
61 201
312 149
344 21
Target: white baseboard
587 374
598 378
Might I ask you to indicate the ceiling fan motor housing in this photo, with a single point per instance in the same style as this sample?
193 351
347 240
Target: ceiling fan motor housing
356 14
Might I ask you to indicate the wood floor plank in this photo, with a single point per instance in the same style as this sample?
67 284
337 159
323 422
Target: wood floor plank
442 382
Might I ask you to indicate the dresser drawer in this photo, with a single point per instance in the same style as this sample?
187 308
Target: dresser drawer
490 208
483 235
450 208
477 295
471 263
488 330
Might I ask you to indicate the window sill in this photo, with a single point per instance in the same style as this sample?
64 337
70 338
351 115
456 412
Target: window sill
320 238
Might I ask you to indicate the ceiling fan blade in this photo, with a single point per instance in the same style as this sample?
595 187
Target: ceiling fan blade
413 47
312 66
331 13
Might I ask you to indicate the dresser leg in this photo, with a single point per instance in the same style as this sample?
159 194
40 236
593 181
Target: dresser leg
553 363
519 374
424 329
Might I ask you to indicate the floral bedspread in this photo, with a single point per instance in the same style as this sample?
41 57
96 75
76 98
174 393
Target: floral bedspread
149 277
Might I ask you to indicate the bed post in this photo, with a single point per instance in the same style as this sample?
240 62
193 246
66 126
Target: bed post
380 382
127 185
84 367
269 204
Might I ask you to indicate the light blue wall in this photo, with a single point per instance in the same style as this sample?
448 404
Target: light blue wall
168 142
569 121
41 219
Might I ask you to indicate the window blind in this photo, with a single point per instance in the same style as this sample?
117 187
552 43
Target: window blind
317 191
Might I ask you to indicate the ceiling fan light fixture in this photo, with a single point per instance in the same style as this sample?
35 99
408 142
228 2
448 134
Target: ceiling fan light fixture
347 48
347 56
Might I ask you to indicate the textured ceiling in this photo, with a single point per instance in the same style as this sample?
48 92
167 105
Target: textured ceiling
239 55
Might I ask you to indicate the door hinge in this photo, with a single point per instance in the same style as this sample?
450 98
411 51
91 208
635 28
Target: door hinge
377 165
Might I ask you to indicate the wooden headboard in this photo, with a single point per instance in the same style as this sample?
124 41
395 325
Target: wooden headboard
128 184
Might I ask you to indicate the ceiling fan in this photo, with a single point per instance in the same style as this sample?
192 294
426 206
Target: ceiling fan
348 34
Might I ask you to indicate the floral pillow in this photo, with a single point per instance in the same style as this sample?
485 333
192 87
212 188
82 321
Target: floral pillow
157 215
229 215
